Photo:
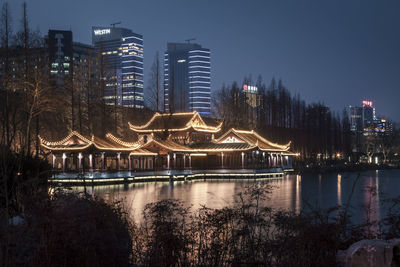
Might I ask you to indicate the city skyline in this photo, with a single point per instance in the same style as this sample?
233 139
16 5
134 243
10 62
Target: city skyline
322 51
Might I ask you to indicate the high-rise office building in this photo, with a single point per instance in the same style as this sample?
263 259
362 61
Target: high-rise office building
368 112
356 119
187 78
362 117
123 55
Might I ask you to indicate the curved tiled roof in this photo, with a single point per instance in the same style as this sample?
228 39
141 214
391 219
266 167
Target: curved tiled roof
254 139
77 141
173 122
232 140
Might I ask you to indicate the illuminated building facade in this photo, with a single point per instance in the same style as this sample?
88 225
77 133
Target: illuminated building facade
356 119
368 113
122 50
362 117
249 102
177 141
187 78
365 124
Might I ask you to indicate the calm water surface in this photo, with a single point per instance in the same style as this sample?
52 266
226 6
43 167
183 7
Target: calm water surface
292 192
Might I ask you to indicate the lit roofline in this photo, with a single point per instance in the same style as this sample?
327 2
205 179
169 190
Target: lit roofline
238 132
72 133
283 147
140 128
154 117
53 145
119 141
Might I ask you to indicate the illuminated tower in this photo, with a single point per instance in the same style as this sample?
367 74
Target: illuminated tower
368 113
122 50
187 78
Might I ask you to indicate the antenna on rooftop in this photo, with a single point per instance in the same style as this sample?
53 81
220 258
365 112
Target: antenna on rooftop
115 23
189 40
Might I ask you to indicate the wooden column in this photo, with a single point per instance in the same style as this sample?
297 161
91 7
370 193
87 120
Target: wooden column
168 161
54 161
119 161
222 160
79 160
103 162
63 161
263 161
91 162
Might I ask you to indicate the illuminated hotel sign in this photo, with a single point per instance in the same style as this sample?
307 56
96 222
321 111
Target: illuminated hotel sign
102 31
250 89
367 103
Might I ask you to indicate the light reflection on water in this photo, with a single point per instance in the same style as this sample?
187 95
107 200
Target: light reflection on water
292 192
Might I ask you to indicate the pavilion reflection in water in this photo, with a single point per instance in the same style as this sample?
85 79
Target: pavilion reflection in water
176 141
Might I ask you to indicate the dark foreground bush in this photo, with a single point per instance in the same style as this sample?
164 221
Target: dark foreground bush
21 177
246 234
70 230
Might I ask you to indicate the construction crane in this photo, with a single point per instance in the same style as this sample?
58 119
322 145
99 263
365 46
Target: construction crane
115 23
189 40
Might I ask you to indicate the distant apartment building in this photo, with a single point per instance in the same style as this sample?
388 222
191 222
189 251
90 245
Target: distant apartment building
123 61
58 51
356 119
60 46
187 78
69 61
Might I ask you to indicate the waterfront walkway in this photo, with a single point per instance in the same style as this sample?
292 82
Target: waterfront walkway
94 178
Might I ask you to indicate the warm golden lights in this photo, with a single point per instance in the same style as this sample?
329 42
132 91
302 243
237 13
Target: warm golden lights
193 122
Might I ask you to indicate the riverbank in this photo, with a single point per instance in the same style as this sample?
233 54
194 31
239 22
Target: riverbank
358 167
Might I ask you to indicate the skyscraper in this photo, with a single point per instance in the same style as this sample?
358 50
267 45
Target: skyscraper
356 119
187 78
368 113
123 53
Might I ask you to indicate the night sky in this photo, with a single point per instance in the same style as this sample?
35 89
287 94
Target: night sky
336 52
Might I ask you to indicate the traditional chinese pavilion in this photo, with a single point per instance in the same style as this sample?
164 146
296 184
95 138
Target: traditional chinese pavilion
175 141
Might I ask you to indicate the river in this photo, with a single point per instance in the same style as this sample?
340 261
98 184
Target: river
292 192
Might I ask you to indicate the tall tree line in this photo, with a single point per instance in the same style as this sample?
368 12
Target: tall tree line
316 132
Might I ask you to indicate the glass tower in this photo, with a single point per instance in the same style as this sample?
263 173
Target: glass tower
122 50
187 78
